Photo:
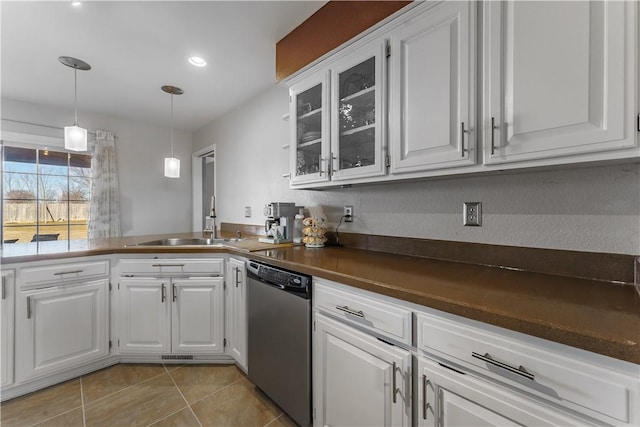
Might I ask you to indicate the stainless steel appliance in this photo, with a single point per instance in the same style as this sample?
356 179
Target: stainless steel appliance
279 214
279 342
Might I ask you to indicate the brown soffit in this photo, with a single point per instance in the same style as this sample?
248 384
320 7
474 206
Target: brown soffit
332 25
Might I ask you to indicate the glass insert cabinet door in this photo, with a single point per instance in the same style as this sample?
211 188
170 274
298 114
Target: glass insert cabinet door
310 130
357 103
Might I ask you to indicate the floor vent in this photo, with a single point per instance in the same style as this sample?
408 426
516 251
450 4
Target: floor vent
177 357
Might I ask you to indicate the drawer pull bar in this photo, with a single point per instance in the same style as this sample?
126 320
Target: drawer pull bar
60 273
173 292
167 265
520 370
4 287
348 310
425 400
394 385
237 269
29 307
163 294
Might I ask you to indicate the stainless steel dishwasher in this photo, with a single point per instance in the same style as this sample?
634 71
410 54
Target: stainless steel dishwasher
279 353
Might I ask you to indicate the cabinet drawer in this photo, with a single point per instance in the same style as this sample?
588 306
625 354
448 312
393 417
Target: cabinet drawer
213 267
375 315
61 273
548 373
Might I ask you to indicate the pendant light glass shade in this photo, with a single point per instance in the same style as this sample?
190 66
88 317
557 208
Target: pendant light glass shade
171 167
172 164
75 137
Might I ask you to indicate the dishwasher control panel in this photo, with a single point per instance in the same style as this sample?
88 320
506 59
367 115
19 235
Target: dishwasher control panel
279 277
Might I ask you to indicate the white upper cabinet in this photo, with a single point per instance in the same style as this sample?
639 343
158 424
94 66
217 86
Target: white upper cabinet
559 80
309 118
357 113
432 89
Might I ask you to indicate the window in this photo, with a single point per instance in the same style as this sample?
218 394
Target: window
45 194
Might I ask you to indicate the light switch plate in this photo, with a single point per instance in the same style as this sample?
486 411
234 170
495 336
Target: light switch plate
247 211
472 213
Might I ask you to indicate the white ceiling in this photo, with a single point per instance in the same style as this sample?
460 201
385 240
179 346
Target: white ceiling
135 47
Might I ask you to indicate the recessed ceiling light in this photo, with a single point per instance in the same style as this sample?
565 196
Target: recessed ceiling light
197 61
76 3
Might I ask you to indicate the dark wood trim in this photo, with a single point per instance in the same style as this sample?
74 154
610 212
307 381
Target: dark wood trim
332 25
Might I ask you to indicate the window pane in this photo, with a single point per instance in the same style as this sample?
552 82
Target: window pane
53 212
19 212
79 211
80 161
53 232
19 186
52 187
17 159
46 169
78 231
16 233
80 188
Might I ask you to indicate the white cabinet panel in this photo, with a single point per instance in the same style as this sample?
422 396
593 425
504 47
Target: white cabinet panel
6 328
61 327
358 380
559 78
236 311
144 316
197 315
432 90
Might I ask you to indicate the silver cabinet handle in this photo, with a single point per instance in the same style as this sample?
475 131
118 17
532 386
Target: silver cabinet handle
286 175
163 295
348 310
493 136
520 370
167 265
174 292
462 132
4 287
29 307
60 273
425 401
237 269
393 382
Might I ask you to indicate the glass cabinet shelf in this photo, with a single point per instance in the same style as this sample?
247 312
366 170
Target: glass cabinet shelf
308 143
359 129
370 91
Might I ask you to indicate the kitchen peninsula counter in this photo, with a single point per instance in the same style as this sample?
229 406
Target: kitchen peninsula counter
597 316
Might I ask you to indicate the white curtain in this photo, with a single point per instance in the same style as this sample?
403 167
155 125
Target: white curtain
104 212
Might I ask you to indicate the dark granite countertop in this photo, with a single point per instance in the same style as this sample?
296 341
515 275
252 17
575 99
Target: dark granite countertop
597 316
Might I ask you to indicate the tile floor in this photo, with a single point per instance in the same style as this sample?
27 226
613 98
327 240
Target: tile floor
148 395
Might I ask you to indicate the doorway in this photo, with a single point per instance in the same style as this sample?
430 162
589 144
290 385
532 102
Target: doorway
204 185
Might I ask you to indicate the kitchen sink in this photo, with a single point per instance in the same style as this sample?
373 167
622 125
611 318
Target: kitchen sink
186 242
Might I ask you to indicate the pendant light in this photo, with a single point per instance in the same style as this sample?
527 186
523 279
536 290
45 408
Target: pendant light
172 164
75 137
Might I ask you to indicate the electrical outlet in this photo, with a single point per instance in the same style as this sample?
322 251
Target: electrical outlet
247 211
348 214
472 213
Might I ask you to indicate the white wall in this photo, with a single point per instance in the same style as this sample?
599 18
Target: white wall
593 209
150 203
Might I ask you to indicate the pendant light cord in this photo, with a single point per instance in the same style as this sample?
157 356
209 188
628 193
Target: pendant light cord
75 96
171 124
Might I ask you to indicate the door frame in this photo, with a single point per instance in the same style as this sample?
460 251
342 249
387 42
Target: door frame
196 184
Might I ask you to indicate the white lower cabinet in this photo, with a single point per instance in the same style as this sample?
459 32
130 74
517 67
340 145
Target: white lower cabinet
358 379
61 327
454 398
171 315
6 328
236 311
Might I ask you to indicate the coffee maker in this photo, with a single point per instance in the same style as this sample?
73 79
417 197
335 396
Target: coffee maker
278 226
